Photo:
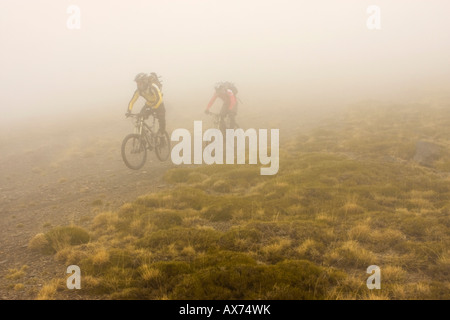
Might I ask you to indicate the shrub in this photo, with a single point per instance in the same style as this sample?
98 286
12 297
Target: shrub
199 239
163 219
40 243
218 212
351 255
310 250
221 186
59 238
177 175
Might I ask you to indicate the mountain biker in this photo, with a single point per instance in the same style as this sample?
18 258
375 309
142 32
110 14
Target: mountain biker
227 93
149 87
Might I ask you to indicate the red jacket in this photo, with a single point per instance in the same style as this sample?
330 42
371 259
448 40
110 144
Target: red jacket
228 98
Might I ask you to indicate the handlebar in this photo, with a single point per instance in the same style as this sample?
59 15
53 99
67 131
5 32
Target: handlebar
132 115
140 114
209 113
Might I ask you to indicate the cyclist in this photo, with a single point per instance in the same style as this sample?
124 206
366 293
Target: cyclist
227 93
149 87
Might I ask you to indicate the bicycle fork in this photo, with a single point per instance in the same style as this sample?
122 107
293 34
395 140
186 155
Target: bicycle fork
139 127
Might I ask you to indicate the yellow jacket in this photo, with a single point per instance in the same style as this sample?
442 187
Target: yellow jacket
152 96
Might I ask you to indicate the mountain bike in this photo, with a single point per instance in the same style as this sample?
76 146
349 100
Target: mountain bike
217 118
216 124
135 145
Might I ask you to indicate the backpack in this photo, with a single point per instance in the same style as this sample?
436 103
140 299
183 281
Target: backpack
232 87
156 79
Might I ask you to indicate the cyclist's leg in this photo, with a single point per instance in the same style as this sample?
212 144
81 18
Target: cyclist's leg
161 116
232 116
146 111
223 115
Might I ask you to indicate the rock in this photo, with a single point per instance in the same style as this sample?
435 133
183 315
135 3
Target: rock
426 153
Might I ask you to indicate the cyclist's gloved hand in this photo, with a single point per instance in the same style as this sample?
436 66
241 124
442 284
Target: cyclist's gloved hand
127 114
207 111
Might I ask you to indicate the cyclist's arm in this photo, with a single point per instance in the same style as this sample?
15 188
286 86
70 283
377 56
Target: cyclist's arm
232 99
214 97
133 100
159 96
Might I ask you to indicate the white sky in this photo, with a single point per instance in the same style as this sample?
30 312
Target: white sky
275 51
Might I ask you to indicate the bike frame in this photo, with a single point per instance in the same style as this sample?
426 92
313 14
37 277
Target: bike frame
142 139
141 125
216 119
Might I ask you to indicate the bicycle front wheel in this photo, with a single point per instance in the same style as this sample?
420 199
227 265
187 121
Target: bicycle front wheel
162 146
134 151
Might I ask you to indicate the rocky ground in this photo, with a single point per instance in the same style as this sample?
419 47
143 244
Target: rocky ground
65 172
60 175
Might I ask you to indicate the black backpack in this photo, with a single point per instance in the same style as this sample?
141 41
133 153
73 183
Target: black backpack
156 79
232 87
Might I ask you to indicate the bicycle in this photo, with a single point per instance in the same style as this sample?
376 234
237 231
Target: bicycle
135 145
217 119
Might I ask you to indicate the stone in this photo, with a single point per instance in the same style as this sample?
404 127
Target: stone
426 153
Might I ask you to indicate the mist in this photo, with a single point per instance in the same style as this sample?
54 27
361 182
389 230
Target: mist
280 54
360 176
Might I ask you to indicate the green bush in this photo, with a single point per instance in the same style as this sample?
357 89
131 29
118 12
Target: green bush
200 239
218 213
61 237
177 175
163 219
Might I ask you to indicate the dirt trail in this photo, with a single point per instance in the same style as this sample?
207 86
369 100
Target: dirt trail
57 176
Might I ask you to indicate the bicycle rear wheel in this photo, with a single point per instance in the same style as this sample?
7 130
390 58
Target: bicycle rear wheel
134 151
162 146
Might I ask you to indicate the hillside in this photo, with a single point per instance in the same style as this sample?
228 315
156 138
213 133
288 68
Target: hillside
369 187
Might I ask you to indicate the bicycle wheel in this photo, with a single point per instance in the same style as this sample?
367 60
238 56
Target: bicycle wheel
162 146
134 151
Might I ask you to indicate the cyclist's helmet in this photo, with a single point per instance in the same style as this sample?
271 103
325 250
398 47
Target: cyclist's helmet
140 77
220 87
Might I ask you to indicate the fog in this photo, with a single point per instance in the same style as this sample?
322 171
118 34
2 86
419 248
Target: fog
280 54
